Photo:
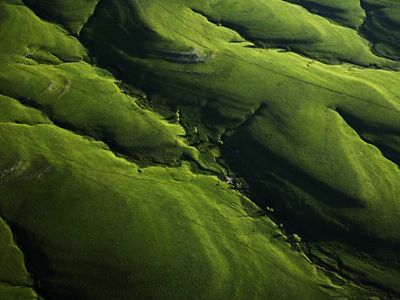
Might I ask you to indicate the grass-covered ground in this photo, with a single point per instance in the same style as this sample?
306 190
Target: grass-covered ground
199 149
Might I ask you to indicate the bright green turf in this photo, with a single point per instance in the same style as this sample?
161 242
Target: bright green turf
289 97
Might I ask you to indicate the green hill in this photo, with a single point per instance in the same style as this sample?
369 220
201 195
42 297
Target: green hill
199 149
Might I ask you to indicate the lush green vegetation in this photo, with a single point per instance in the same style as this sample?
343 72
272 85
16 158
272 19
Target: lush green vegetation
348 13
149 149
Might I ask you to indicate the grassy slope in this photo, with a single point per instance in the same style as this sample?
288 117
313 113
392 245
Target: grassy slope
163 241
381 26
70 13
15 282
285 121
44 68
378 20
310 34
96 231
57 183
288 116
348 13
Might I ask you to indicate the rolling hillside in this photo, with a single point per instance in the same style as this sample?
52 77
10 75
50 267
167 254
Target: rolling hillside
199 149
